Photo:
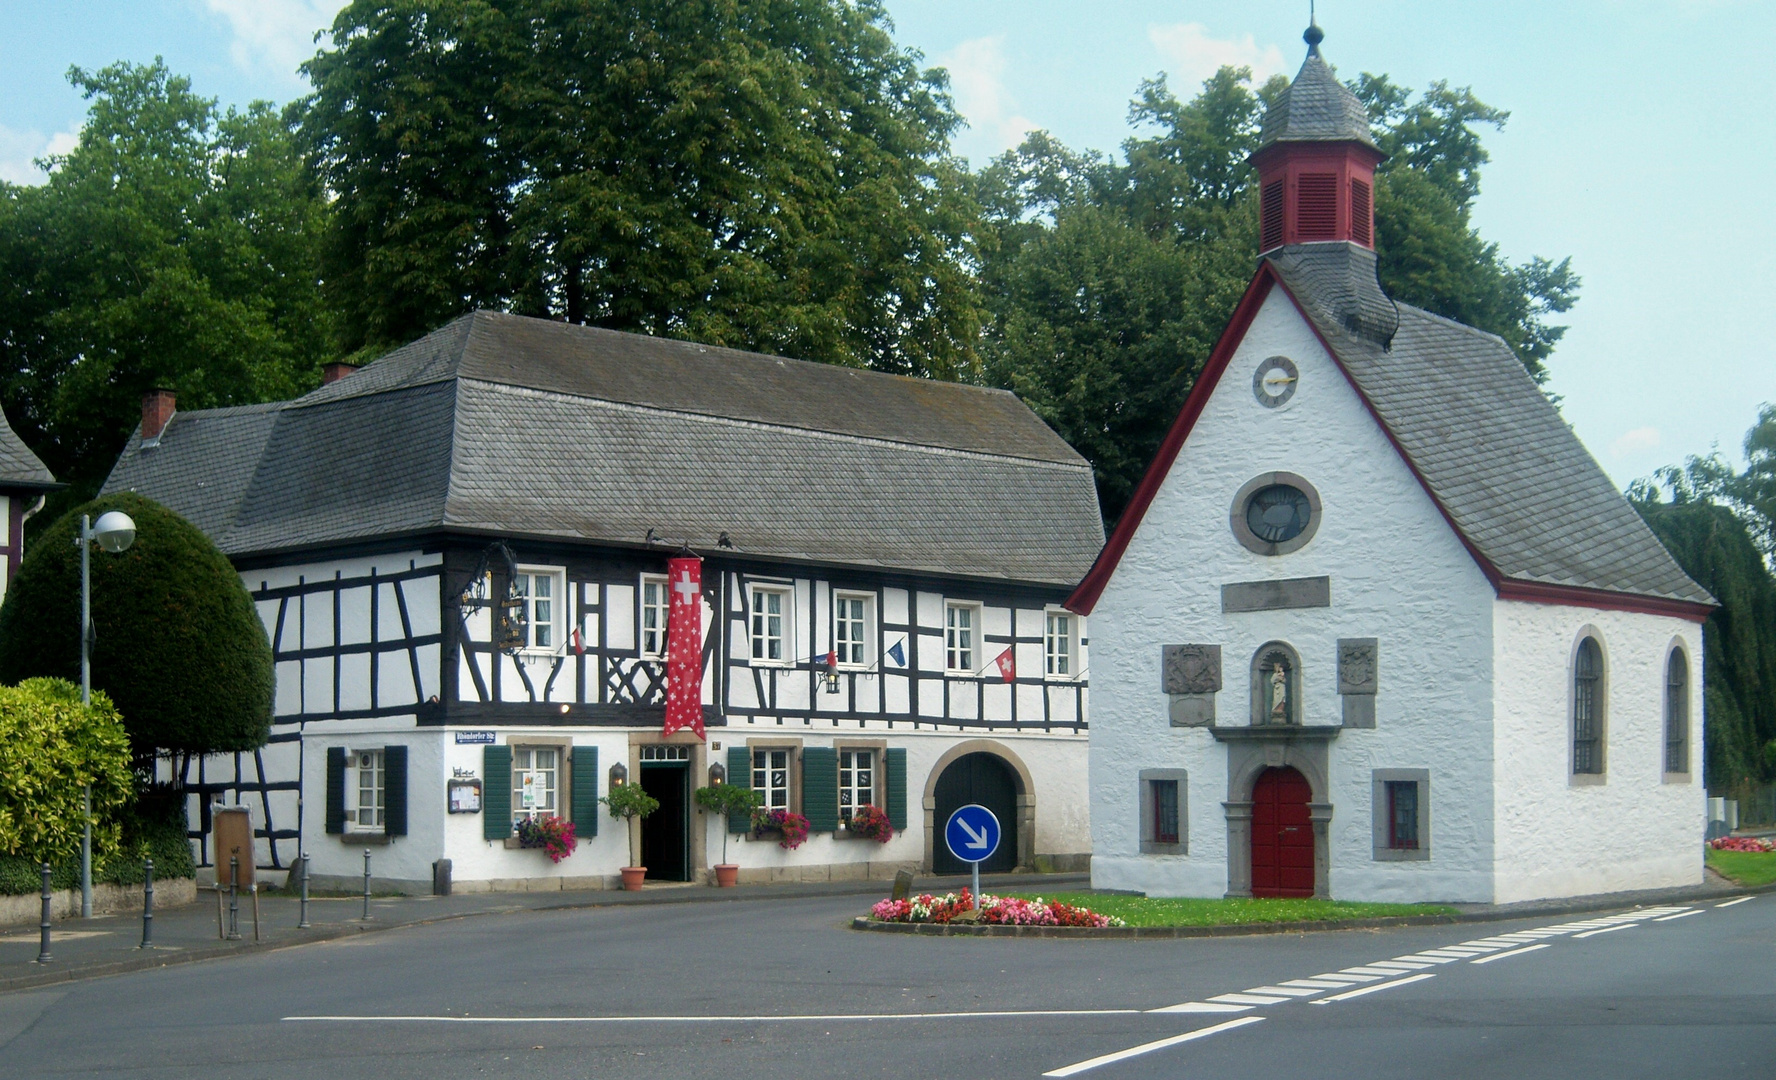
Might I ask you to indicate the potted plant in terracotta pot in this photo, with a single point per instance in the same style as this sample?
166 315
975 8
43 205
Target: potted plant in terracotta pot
628 802
723 800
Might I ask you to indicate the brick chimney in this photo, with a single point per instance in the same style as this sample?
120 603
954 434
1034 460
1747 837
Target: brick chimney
158 407
332 373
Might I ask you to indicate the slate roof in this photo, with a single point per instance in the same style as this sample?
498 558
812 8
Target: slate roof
1493 450
1316 107
19 467
500 423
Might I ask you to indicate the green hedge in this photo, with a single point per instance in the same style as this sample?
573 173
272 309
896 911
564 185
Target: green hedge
154 827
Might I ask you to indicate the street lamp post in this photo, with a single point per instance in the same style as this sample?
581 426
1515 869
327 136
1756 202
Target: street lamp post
114 532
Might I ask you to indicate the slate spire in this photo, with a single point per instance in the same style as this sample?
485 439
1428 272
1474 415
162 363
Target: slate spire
1316 107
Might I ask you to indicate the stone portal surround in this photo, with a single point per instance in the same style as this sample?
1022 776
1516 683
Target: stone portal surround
1251 750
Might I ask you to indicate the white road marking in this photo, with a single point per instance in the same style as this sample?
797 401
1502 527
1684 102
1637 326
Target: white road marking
1513 952
1148 1048
1248 999
1372 973
1327 982
1434 957
1285 991
1679 915
1741 900
1459 950
1378 987
1606 930
798 1017
1403 963
1203 1007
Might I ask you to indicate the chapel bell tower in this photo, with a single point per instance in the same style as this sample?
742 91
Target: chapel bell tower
1316 161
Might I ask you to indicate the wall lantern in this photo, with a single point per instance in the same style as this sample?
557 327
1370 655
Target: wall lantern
829 671
619 775
718 774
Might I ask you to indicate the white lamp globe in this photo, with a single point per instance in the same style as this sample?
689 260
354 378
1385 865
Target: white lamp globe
114 531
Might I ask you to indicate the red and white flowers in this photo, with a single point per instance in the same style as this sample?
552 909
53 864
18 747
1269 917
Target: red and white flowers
994 911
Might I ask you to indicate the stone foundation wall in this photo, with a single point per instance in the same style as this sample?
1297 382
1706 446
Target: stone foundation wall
108 899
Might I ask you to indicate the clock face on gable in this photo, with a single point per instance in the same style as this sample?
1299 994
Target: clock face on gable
1274 382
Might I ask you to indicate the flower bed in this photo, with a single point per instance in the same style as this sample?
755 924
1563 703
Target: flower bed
993 911
1742 843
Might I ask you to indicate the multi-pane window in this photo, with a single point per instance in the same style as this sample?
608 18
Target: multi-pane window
770 777
851 629
654 603
1057 644
1677 713
535 771
770 609
1588 709
367 765
961 624
857 781
1165 811
1402 820
541 591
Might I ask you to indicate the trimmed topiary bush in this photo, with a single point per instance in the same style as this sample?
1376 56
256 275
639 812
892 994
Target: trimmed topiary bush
177 643
50 747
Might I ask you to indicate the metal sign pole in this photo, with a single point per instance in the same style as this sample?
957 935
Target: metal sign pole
976 866
86 888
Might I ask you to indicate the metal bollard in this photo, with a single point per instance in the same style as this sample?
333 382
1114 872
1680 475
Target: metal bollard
303 923
233 898
43 956
148 904
366 883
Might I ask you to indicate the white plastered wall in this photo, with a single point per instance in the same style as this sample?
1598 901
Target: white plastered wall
1398 573
1638 828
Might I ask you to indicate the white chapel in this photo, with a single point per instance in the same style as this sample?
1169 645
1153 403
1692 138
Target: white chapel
1375 625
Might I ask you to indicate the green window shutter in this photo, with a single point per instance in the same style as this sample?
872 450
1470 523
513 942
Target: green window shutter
739 772
496 792
820 788
335 789
896 782
394 790
585 791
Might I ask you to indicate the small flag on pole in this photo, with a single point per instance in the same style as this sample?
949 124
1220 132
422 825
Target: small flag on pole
897 653
832 660
578 644
1007 665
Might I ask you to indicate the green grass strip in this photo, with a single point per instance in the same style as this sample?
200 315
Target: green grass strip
1150 911
1748 868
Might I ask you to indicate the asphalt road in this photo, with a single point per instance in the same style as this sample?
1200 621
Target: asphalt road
779 988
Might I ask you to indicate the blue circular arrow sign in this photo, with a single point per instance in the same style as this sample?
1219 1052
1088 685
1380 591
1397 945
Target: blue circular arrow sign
972 833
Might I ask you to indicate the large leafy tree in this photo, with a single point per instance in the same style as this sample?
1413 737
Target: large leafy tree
772 175
1107 282
174 246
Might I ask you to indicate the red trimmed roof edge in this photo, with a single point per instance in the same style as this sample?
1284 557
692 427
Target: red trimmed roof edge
1091 587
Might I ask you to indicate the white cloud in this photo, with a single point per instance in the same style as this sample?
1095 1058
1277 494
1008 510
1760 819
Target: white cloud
20 149
274 35
1633 442
977 80
1191 55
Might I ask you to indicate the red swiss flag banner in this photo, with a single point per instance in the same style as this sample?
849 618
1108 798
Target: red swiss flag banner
1007 665
684 646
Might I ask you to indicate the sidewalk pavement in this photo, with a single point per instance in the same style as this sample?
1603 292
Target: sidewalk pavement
110 944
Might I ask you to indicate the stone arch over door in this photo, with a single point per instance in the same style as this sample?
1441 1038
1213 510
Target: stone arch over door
1250 752
1026 797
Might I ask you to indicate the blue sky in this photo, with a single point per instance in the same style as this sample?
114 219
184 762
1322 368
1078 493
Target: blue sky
1640 143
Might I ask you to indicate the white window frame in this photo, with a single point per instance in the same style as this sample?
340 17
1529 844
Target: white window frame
557 601
354 791
552 787
1071 655
662 609
786 626
868 788
959 660
789 786
866 642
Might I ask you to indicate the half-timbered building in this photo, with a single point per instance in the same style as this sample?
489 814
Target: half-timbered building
459 553
24 483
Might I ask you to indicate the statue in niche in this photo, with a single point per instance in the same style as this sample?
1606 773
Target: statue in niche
1275 672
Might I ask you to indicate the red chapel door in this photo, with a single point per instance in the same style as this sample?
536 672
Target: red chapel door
1282 835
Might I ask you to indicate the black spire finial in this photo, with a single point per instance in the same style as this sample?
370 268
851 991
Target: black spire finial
1313 35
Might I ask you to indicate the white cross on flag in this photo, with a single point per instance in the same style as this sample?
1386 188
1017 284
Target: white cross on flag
1007 665
684 646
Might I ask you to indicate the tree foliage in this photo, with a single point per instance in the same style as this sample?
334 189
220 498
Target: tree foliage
770 175
174 246
177 642
51 747
1108 282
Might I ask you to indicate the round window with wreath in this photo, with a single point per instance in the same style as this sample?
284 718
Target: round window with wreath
1275 513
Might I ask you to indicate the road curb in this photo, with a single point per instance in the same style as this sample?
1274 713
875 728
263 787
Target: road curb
1126 933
